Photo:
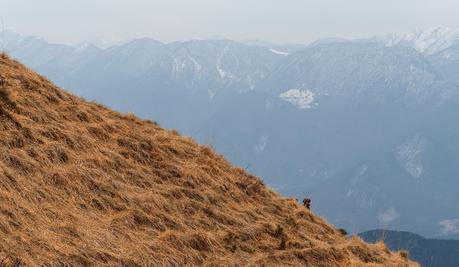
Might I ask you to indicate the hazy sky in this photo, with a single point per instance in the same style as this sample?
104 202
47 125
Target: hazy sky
299 21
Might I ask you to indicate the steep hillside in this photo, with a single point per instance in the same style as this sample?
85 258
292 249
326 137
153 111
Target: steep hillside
83 185
428 252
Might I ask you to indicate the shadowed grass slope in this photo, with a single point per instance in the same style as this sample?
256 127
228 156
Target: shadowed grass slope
82 185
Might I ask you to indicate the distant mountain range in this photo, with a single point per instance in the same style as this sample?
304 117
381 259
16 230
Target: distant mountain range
366 128
428 252
83 185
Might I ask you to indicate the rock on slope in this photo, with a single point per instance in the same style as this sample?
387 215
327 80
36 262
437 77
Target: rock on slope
82 185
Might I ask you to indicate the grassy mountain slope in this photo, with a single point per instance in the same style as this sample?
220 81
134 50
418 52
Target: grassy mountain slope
82 185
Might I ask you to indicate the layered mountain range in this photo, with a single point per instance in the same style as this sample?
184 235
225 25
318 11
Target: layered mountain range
83 185
366 128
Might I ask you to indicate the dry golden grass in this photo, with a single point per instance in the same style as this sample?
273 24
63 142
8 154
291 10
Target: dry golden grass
82 185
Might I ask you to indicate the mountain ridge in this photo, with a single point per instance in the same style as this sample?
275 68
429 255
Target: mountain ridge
427 251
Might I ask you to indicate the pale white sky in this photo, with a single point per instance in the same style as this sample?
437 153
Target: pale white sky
282 21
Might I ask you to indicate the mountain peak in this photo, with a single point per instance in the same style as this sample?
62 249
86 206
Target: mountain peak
428 42
84 185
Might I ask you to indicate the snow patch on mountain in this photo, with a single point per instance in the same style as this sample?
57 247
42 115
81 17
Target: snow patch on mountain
211 93
450 226
196 63
302 99
388 216
409 155
279 52
175 67
224 74
362 170
221 72
362 190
